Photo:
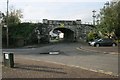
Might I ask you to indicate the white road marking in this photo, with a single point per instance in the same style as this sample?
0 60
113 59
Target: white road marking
87 50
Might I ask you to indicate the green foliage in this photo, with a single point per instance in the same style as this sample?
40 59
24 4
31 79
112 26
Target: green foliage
109 20
117 28
21 30
92 36
13 17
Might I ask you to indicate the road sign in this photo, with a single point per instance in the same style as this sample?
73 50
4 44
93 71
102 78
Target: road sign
62 25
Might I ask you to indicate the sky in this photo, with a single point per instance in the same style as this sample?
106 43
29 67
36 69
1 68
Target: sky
36 10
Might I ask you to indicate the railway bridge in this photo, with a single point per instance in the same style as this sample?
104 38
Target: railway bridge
73 30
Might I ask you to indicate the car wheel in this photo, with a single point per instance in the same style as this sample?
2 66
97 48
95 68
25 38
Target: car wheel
113 44
97 45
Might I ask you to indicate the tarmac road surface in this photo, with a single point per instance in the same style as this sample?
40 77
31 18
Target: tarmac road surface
71 55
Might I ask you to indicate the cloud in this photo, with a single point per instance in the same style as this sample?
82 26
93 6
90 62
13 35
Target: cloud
59 0
64 11
36 10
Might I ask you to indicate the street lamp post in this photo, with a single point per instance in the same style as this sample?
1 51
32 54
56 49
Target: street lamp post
94 16
7 36
107 3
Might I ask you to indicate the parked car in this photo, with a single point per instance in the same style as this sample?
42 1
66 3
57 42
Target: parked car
103 42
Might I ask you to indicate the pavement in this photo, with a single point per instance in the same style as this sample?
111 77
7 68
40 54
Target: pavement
26 68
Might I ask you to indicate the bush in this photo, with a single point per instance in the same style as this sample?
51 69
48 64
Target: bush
92 36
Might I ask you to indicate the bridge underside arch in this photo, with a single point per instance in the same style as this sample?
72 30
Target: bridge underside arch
68 34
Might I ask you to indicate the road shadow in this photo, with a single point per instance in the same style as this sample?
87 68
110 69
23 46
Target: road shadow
39 68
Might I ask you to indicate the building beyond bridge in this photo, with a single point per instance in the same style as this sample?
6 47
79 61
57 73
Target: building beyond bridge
73 29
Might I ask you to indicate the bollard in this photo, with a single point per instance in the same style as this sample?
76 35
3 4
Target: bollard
8 59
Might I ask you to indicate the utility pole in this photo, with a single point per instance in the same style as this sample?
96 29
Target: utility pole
7 36
94 16
1 16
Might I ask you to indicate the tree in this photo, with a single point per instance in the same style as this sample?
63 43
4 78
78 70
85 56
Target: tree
14 16
12 19
117 28
109 20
